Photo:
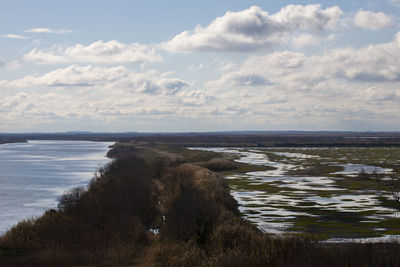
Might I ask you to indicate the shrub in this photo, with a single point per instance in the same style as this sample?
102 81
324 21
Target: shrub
71 198
219 164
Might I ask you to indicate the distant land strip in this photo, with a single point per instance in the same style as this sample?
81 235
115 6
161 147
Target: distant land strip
5 141
226 139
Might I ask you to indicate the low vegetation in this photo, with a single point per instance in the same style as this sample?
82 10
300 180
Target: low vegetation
163 206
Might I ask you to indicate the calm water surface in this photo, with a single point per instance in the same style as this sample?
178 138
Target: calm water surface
33 175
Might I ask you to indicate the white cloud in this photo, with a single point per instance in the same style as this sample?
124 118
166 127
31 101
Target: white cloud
347 84
304 40
100 78
373 64
196 67
9 102
227 66
278 90
98 52
14 36
47 30
196 98
249 80
287 88
150 83
253 28
78 76
308 18
301 95
258 70
15 64
377 94
172 86
372 20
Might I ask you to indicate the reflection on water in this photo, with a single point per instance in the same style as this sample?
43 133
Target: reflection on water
273 199
34 174
353 169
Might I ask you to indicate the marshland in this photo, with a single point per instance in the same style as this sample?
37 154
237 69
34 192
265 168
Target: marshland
190 203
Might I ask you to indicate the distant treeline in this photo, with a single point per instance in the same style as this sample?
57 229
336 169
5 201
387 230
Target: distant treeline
156 206
246 138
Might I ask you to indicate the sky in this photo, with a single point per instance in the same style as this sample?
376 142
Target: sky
196 66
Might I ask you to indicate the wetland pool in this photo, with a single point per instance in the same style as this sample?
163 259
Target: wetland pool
333 194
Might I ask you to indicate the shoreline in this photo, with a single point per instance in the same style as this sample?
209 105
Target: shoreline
2 142
74 163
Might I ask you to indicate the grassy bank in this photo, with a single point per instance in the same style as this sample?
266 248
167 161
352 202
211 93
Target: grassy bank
160 205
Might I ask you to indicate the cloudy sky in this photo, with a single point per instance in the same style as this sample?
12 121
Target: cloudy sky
150 65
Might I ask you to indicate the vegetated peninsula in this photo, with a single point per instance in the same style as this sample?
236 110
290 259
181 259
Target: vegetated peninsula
5 141
160 204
